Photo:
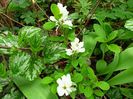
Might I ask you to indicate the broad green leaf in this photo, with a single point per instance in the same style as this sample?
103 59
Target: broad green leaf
107 28
88 37
30 36
101 35
112 35
103 85
114 48
88 91
74 63
34 89
129 24
125 59
49 25
24 65
98 93
54 88
123 77
101 66
56 11
77 77
47 80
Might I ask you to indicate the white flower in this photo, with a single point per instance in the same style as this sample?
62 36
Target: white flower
64 18
76 47
65 85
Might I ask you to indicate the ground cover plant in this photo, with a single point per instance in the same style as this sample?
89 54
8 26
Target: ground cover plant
66 49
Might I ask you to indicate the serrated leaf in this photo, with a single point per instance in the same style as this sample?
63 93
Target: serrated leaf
24 65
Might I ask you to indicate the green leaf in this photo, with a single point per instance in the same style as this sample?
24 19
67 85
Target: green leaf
24 65
101 65
123 77
112 35
34 89
114 48
81 88
49 25
77 77
88 37
88 91
47 80
74 63
91 74
127 92
99 93
16 5
2 70
54 88
103 85
101 35
129 24
56 11
126 59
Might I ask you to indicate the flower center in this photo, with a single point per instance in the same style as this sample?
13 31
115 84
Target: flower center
64 87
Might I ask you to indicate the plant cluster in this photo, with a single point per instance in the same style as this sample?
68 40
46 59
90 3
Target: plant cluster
70 49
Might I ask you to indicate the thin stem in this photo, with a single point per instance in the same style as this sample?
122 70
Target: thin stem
12 19
41 10
90 14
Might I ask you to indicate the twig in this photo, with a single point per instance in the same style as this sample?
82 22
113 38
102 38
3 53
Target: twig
41 10
12 19
1 25
90 14
6 47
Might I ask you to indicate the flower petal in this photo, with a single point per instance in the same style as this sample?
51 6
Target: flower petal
69 52
52 18
60 83
81 50
68 22
60 91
